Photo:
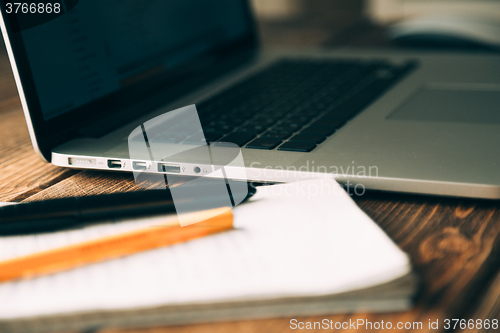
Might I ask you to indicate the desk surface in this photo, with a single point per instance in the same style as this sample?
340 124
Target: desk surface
453 243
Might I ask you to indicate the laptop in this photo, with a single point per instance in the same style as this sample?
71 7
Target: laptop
90 72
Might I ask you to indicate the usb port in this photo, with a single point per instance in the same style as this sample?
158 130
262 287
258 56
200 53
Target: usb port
139 165
114 164
162 167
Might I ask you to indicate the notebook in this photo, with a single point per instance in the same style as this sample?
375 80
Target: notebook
297 249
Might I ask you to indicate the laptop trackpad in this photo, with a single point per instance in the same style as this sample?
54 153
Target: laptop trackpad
467 104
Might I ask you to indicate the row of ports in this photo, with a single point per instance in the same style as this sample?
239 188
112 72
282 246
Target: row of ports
140 166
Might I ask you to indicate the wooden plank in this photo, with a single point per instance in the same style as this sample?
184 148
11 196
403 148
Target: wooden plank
23 172
88 183
452 243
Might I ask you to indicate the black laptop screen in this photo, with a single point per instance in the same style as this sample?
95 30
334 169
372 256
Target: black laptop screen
99 47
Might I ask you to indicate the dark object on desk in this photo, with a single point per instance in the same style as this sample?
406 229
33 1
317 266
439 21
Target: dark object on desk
448 31
66 213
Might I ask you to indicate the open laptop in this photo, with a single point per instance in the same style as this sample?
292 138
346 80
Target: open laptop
91 73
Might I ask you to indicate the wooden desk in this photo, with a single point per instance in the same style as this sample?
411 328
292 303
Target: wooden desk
454 243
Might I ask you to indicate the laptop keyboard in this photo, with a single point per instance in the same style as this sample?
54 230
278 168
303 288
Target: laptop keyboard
294 105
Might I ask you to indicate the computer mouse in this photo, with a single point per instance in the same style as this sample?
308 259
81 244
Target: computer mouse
440 29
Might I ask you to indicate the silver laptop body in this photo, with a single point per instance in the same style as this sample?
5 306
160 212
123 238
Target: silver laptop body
436 131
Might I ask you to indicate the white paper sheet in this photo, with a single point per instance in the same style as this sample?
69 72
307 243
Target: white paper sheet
305 238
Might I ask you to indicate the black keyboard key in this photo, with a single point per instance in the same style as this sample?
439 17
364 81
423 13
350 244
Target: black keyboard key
277 134
232 120
299 119
308 138
257 128
297 146
308 112
218 128
275 115
292 123
289 127
264 143
265 120
239 138
318 105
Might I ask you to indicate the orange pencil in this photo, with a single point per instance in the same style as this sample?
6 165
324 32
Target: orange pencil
72 256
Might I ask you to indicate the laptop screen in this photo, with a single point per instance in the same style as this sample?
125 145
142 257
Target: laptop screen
100 47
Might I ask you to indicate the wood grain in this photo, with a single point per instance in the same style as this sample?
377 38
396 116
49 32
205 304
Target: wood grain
488 307
23 173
